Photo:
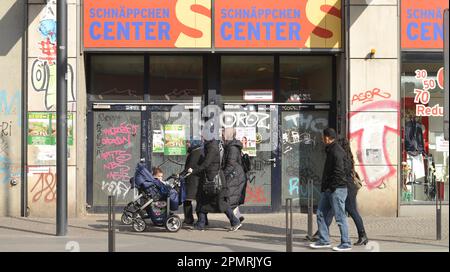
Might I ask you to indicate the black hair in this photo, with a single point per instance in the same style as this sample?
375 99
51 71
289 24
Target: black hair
345 144
330 133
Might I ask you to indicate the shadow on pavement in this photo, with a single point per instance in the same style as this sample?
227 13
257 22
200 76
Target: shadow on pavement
29 231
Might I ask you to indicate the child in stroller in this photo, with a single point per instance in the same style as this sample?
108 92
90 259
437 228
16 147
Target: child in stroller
156 201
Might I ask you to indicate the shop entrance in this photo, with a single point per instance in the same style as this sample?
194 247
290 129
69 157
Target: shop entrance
283 142
148 106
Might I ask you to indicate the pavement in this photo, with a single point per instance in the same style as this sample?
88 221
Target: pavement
413 231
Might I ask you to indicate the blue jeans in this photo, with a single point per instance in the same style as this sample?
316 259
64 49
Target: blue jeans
352 210
334 202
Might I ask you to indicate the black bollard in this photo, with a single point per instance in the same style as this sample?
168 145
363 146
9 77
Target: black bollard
289 225
111 225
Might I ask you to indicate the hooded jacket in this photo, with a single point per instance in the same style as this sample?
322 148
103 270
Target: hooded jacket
234 173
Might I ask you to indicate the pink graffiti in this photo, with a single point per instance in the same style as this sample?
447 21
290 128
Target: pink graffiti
116 160
372 135
122 174
116 141
121 135
122 129
121 156
255 194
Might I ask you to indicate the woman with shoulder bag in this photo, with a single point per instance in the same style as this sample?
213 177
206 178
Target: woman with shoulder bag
354 184
216 202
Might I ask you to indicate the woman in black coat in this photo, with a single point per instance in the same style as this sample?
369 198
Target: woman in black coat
213 203
234 175
193 161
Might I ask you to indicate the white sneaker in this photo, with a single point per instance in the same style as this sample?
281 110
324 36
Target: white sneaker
319 245
342 248
235 228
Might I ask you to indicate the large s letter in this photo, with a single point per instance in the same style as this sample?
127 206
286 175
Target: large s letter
194 20
327 22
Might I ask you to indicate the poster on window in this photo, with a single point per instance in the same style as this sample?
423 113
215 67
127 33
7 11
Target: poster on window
158 142
42 128
174 140
247 136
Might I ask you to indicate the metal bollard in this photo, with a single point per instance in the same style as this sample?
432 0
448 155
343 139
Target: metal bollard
111 224
438 213
289 225
310 209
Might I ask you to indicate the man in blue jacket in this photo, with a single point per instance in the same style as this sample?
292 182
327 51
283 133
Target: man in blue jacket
333 194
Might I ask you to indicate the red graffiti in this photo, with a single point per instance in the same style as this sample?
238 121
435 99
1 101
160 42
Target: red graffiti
370 95
48 50
255 194
371 133
45 186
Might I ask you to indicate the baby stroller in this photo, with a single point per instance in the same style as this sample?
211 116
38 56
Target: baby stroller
156 201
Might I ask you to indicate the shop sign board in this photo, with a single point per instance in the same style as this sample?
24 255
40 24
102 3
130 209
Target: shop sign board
258 95
190 23
422 24
277 24
147 24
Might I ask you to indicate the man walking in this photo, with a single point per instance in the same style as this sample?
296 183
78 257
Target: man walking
333 194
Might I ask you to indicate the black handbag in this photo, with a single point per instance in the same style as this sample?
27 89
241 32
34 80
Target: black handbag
214 186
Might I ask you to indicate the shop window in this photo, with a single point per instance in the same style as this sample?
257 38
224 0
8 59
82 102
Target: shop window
424 151
176 78
252 76
306 78
116 77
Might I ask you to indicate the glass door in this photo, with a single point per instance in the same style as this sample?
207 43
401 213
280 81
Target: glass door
256 126
302 151
170 127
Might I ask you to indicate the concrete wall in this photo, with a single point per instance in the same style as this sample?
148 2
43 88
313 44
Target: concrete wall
42 100
12 14
374 102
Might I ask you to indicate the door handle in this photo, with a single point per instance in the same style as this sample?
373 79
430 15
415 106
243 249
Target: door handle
272 160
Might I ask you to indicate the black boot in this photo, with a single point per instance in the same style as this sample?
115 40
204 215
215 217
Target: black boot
188 216
362 239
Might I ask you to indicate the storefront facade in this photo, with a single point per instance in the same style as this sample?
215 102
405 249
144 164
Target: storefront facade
147 76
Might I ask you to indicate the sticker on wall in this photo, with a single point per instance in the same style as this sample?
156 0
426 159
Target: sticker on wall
158 141
247 136
175 142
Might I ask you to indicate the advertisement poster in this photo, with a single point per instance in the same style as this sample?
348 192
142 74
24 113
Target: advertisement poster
175 142
158 141
42 128
247 136
39 129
